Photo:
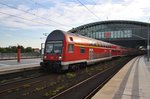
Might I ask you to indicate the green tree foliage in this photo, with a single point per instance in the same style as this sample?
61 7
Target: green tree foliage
29 49
13 49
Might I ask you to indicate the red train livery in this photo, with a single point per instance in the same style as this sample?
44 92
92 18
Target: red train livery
63 50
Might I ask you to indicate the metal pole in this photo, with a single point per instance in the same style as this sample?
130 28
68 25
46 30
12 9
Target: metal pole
148 47
42 50
18 53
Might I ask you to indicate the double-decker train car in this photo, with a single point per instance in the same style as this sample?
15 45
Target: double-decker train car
64 50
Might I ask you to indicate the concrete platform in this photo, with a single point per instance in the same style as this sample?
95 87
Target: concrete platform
131 82
10 66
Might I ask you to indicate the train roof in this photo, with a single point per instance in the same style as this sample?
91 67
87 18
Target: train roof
59 35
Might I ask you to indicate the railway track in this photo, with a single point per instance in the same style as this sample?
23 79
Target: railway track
89 96
19 76
21 82
57 85
10 89
20 79
60 95
88 87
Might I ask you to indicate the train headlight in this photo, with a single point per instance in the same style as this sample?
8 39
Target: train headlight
45 57
59 57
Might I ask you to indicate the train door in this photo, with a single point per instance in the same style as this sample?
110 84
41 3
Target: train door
90 54
110 53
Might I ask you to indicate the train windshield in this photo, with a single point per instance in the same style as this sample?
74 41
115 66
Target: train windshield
54 47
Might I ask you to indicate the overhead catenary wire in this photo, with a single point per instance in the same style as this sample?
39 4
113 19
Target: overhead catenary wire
32 14
28 19
37 3
89 10
93 2
78 1
45 7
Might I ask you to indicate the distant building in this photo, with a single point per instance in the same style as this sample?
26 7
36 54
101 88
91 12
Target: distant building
36 50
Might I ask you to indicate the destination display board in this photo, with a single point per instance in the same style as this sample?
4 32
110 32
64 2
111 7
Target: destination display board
114 34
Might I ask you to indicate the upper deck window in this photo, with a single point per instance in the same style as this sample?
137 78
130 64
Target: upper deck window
71 38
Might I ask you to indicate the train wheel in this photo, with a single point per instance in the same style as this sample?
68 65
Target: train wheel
59 69
72 68
84 64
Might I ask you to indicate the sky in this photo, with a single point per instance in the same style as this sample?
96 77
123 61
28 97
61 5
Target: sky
25 22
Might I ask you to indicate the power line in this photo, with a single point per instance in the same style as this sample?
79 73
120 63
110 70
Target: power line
37 3
24 18
32 14
88 9
28 19
94 2
45 7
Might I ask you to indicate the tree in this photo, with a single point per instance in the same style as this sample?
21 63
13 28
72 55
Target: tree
28 49
1 50
14 49
22 49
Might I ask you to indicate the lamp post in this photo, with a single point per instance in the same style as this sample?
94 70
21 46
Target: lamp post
18 53
43 44
148 47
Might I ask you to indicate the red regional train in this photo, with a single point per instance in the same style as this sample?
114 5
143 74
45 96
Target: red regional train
64 50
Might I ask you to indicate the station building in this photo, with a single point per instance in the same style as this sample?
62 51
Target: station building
131 34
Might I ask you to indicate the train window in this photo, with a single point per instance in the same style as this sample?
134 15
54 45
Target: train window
82 50
57 48
49 48
71 38
70 48
54 48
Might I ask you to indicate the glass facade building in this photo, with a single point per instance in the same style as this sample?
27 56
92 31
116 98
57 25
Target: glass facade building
121 32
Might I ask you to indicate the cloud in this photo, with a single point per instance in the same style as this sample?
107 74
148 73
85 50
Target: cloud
23 7
66 15
8 35
62 14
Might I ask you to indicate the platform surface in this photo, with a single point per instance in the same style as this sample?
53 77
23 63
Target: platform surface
7 66
131 82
